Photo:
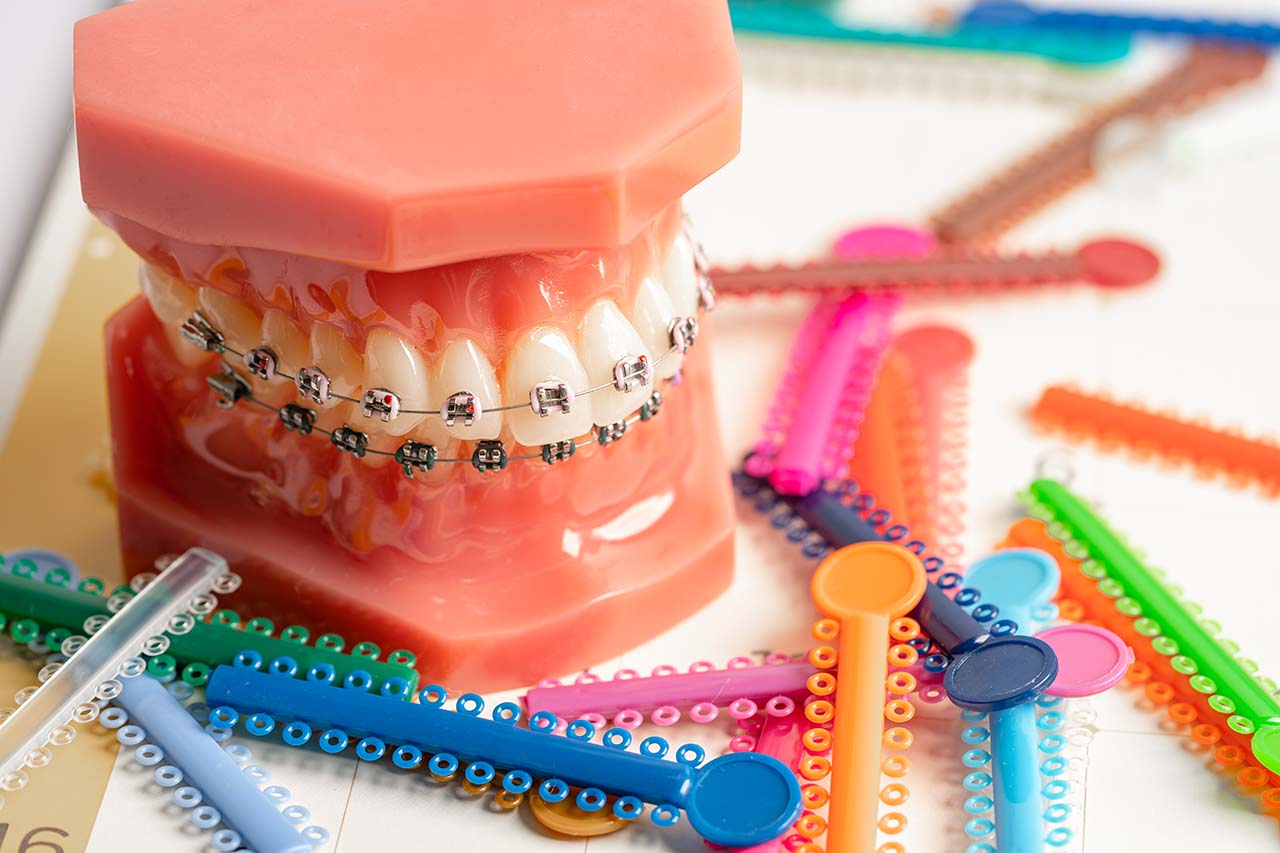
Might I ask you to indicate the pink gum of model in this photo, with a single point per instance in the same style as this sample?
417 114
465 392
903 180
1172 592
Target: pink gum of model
389 183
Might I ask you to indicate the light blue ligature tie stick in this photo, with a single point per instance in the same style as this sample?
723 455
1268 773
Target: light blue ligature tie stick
205 766
41 564
1019 582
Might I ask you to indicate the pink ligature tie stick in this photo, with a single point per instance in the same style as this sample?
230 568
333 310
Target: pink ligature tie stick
813 421
742 687
834 394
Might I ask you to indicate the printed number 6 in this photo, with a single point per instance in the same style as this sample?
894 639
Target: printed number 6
30 843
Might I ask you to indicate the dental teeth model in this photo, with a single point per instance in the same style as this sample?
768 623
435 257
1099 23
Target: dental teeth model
400 347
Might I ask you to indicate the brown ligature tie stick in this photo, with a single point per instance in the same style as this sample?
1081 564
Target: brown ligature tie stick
1052 170
951 271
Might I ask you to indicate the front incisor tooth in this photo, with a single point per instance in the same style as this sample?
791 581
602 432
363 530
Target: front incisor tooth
681 278
172 300
239 324
538 356
338 359
606 337
432 431
652 316
391 363
282 337
464 367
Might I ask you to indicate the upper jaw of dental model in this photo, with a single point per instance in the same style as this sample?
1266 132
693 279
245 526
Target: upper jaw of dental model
551 397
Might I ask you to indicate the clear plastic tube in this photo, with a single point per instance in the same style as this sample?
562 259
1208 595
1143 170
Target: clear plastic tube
93 665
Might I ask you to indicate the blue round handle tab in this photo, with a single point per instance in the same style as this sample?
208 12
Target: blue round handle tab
1001 673
1015 577
743 799
1001 13
42 563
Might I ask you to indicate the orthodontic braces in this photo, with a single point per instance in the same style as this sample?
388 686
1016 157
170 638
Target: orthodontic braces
630 372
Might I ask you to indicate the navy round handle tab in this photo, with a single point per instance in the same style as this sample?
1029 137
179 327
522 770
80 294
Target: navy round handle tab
1001 13
743 799
1001 673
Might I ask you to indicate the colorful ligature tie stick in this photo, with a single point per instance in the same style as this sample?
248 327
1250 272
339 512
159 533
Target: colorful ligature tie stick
938 359
742 687
826 521
771 17
814 417
1219 695
734 800
1110 22
1111 425
110 652
951 271
782 737
205 778
1165 689
837 515
1036 180
888 457
864 591
983 673
50 610
1002 679
1026 765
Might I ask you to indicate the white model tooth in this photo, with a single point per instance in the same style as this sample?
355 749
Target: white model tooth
432 431
465 367
282 337
390 362
173 301
681 278
239 324
542 355
652 315
183 350
334 355
606 337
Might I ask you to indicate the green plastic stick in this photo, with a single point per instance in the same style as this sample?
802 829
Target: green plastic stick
1251 709
46 603
216 645
52 606
769 17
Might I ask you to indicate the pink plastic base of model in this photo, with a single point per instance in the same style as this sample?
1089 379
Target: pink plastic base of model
529 572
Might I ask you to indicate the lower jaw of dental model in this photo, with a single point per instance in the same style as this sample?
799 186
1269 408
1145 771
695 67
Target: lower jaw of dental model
467 461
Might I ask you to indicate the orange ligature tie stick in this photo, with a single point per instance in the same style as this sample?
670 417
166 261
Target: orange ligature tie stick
860 589
1078 416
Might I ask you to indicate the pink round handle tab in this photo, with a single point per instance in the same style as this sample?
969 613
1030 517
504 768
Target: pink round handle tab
1091 660
884 241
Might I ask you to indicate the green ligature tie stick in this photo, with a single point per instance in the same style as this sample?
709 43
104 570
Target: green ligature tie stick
1174 626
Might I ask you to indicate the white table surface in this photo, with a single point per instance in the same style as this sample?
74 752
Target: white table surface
816 159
